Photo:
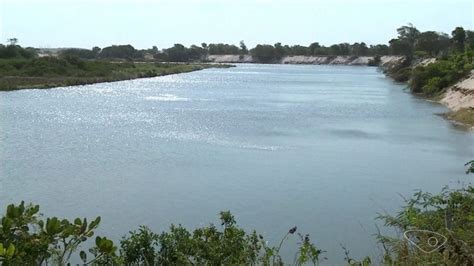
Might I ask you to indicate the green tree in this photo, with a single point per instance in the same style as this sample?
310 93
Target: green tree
221 48
400 47
379 49
359 49
177 53
12 41
313 48
243 48
458 38
96 50
470 39
279 51
432 43
264 53
408 33
196 53
121 52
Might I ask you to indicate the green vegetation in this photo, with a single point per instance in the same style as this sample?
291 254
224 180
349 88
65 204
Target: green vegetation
27 239
464 116
454 58
47 72
410 43
454 61
12 50
450 214
433 78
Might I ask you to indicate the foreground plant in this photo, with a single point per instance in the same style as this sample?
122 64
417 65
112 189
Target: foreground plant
26 239
211 245
443 225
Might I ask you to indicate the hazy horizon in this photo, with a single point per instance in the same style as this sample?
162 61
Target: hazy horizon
145 23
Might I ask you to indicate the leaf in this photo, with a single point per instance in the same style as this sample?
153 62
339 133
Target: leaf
83 256
98 239
10 251
53 226
94 223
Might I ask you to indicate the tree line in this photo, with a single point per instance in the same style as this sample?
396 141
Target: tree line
410 42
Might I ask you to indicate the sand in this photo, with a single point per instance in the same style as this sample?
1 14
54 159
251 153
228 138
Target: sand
461 94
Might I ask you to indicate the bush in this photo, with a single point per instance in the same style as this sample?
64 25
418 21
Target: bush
375 61
402 74
433 86
16 51
447 71
46 66
25 239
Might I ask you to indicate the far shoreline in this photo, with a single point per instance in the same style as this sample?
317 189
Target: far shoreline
143 70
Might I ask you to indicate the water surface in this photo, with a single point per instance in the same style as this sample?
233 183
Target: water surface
321 147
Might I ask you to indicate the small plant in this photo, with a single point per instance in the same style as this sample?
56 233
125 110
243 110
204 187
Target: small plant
26 239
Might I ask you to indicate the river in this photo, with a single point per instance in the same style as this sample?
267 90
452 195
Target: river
324 148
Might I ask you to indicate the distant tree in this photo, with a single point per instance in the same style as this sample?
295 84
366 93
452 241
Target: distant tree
96 50
400 47
221 48
264 53
345 48
79 53
243 48
120 51
359 49
379 49
408 33
470 39
300 50
16 51
407 36
432 42
12 41
196 53
204 45
177 53
458 39
313 48
279 50
334 49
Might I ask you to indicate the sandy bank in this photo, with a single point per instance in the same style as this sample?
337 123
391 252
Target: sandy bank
460 95
386 61
230 58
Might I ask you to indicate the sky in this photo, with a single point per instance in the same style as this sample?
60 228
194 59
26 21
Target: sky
145 23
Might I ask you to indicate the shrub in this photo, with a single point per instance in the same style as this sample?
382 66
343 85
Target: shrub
447 71
433 86
25 239
375 61
402 74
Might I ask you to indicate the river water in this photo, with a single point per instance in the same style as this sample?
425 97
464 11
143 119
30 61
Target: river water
324 148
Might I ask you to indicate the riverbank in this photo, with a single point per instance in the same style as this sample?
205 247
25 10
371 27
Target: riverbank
44 73
460 99
310 60
431 79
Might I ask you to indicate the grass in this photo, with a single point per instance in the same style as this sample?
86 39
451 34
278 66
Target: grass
48 72
464 116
